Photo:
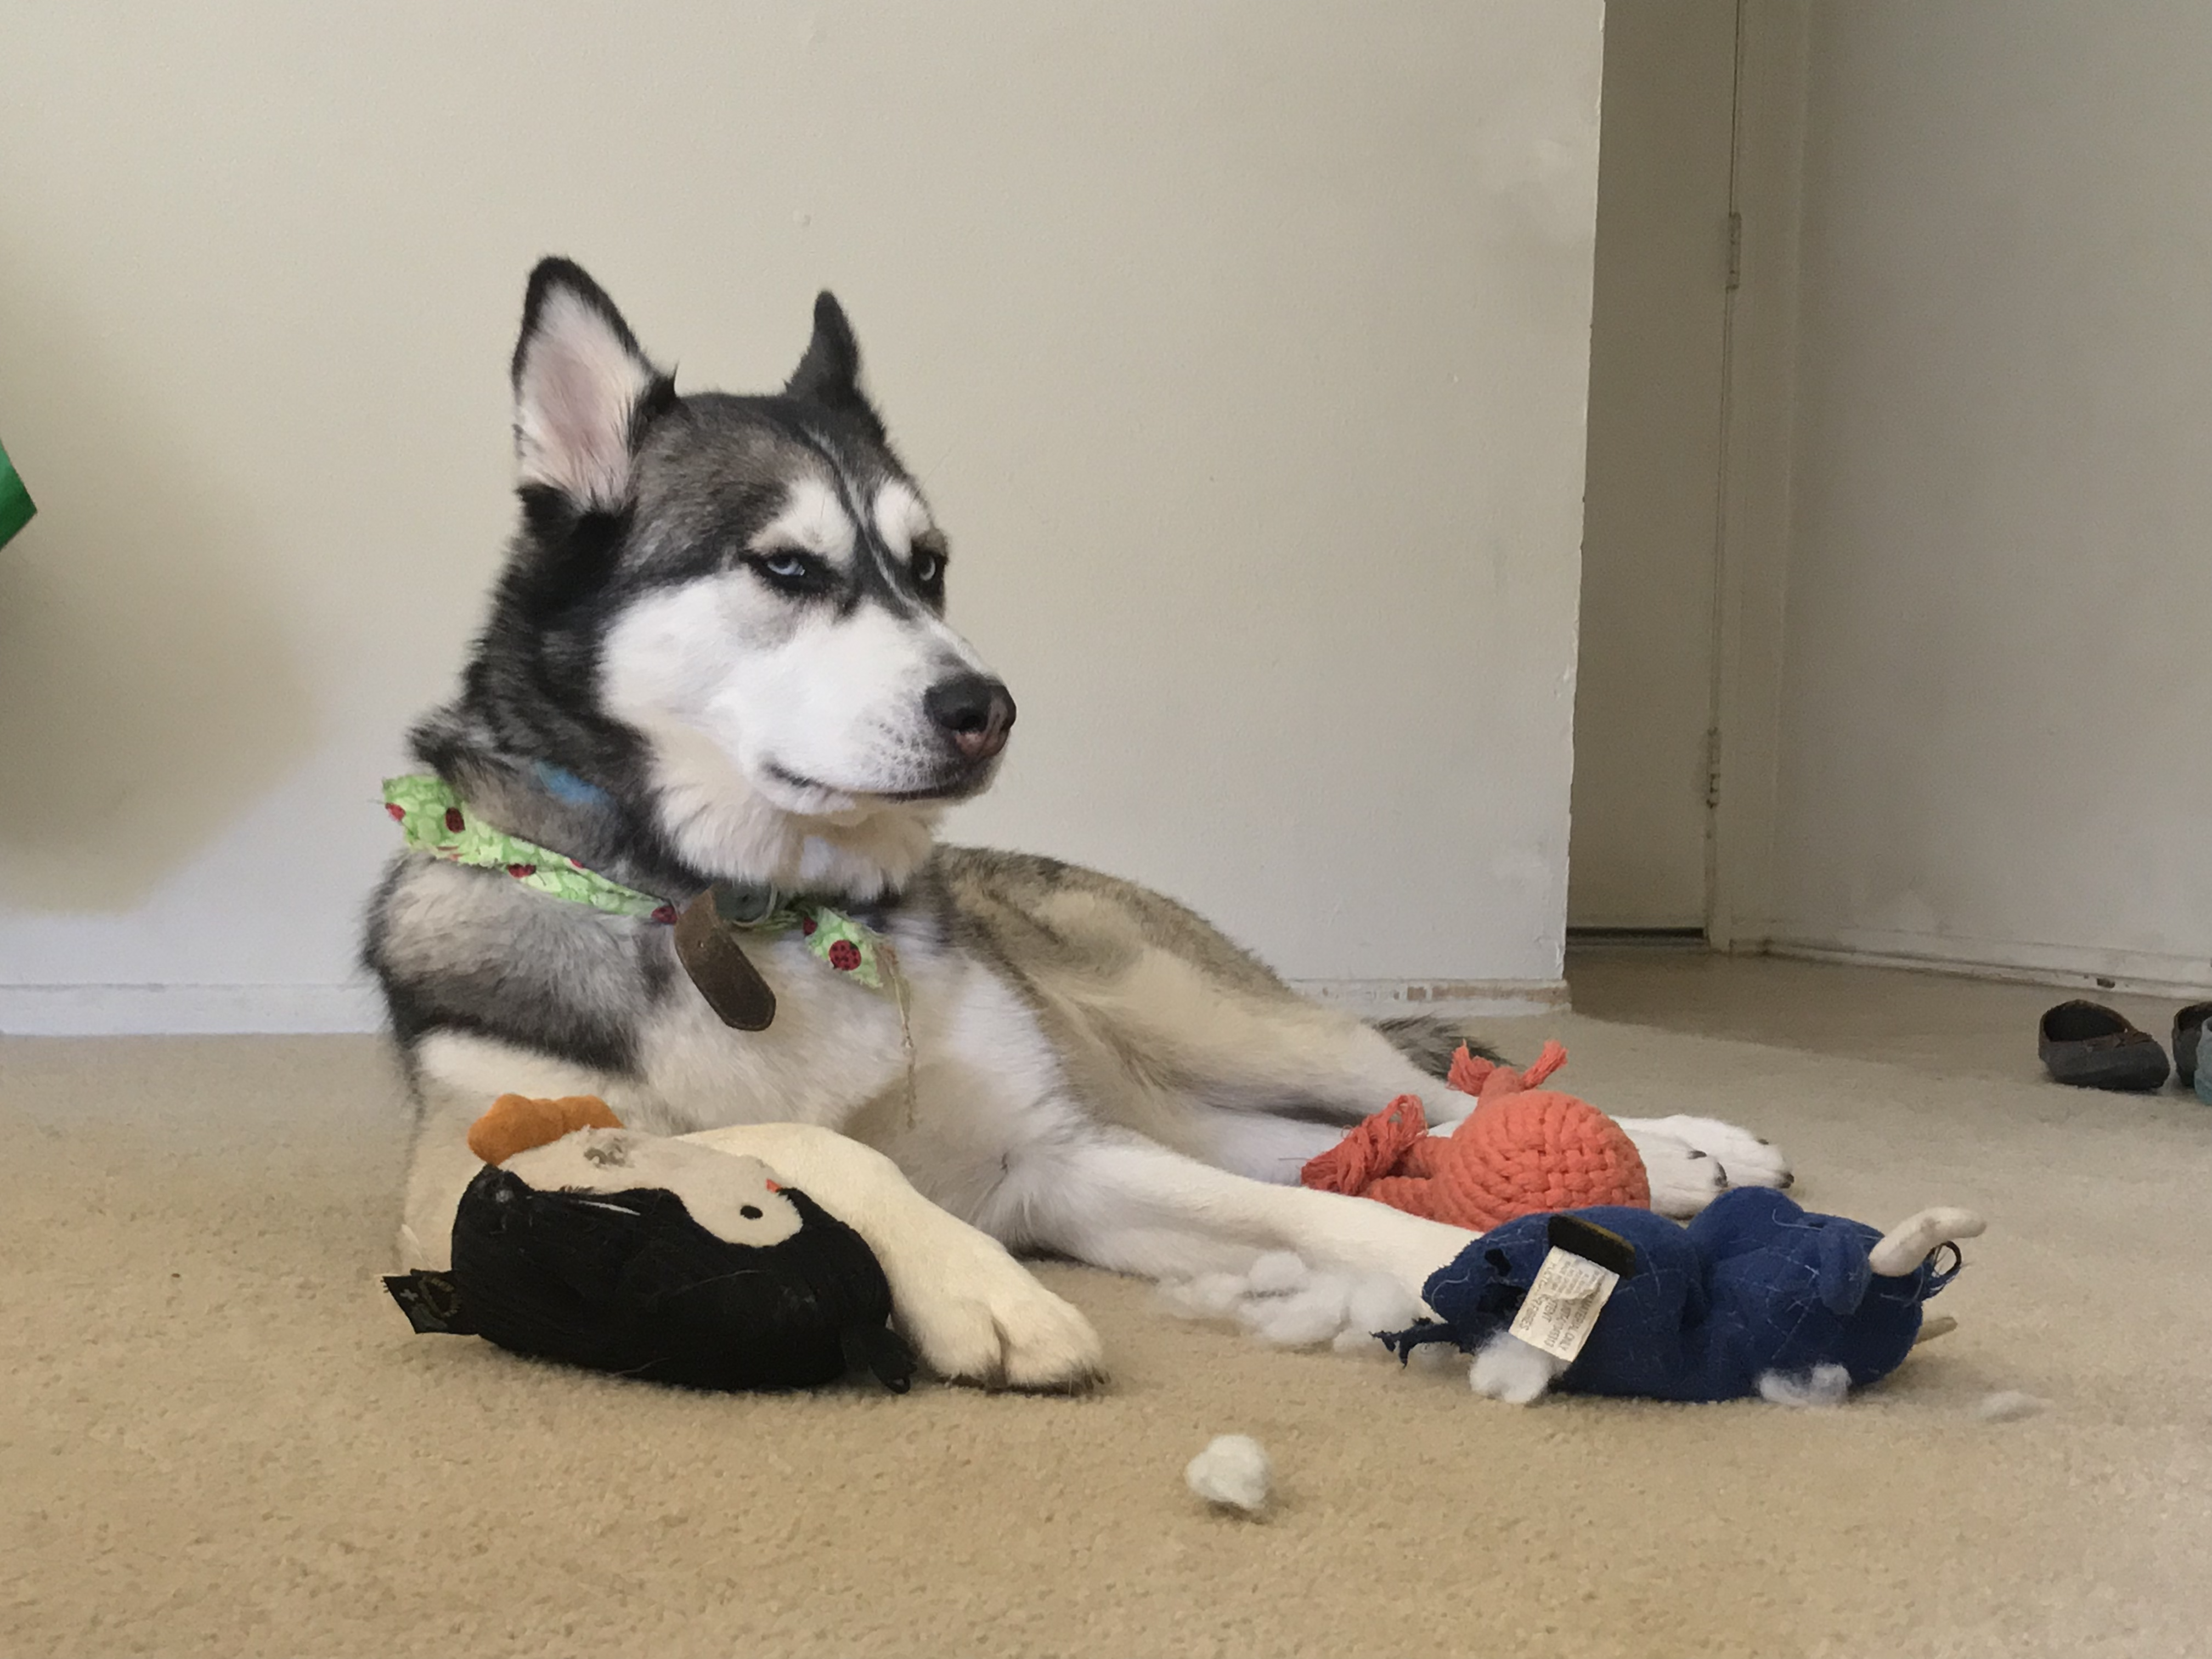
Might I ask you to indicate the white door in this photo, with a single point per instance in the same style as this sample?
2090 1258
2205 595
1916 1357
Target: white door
1643 698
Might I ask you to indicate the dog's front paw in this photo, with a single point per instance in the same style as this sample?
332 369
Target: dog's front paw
987 1320
1683 1180
1749 1161
1691 1161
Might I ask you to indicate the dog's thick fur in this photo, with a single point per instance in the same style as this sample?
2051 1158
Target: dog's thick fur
718 653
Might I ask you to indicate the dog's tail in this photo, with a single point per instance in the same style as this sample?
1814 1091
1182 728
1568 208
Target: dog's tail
1430 1041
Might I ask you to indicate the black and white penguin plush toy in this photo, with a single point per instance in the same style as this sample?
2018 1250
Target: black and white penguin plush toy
585 1242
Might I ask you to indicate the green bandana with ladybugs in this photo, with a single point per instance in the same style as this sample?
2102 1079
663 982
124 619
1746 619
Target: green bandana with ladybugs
436 821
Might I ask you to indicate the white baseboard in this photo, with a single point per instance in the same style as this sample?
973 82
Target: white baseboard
201 1010
1456 999
176 1010
2134 972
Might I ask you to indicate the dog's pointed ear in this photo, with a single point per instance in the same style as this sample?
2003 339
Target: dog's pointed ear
829 373
583 390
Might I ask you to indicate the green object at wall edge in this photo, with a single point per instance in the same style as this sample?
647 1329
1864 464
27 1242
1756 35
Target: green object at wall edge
15 504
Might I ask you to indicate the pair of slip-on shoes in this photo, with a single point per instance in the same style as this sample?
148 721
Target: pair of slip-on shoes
2094 1046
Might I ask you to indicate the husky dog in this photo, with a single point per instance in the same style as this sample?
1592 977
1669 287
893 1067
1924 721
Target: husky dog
718 653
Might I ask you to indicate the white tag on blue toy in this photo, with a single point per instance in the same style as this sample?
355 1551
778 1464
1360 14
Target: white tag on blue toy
1562 1306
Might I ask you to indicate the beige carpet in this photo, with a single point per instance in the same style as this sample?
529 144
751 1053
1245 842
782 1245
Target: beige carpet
220 1439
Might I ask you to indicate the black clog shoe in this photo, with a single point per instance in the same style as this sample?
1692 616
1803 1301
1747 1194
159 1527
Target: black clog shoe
2094 1046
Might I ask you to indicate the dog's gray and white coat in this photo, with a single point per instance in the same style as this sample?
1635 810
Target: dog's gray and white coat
718 652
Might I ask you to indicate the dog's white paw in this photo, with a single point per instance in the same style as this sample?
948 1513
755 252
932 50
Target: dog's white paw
1683 1179
988 1321
1749 1161
1422 1257
1746 1158
1691 1161
1506 1368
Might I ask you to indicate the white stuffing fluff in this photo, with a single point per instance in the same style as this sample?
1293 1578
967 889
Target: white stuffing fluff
1210 1296
2009 1406
1506 1368
1303 1319
1380 1303
1285 1303
1361 1345
1232 1472
1824 1385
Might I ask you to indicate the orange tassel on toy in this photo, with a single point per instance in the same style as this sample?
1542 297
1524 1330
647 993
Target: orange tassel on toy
1521 1150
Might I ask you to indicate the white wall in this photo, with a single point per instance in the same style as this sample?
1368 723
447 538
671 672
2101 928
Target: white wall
1996 716
1242 347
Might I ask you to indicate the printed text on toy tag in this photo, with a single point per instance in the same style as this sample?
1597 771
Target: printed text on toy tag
1562 1306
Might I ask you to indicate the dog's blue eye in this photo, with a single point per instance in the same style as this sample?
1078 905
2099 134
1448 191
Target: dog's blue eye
787 566
927 568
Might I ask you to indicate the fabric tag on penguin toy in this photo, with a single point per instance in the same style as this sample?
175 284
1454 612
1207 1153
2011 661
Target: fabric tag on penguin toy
1569 1290
431 1303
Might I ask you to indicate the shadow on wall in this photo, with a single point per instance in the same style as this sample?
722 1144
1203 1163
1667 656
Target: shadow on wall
145 688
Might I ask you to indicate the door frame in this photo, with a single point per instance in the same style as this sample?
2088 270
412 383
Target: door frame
1641 839
1759 378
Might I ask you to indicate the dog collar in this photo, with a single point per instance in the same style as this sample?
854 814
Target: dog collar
434 820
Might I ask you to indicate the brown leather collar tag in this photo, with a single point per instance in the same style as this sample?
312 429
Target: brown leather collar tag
726 976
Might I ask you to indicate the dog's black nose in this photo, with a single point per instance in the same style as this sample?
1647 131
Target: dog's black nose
975 711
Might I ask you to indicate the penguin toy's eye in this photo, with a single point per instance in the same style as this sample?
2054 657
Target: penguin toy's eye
750 1211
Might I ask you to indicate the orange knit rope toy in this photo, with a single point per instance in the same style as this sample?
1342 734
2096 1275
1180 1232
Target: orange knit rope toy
1521 1150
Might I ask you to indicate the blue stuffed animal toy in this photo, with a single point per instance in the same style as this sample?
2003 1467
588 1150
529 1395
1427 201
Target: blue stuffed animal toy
1756 1296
